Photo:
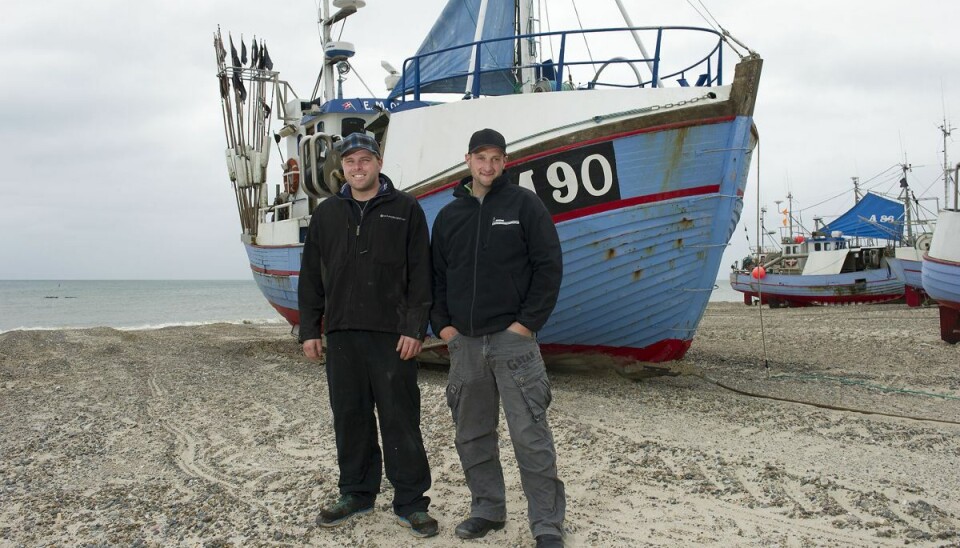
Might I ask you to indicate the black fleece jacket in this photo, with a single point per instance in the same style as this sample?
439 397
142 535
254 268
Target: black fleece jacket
366 270
495 261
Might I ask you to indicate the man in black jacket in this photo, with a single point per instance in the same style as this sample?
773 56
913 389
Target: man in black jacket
365 278
497 268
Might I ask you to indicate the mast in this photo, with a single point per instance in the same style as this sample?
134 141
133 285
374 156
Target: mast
636 38
906 203
528 48
346 8
477 36
946 130
790 214
327 64
856 189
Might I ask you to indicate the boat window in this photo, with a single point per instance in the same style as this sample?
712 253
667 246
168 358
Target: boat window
352 125
826 247
816 247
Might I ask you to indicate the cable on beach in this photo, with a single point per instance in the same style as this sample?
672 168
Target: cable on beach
693 371
865 384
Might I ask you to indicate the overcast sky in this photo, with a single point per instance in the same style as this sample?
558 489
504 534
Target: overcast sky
112 141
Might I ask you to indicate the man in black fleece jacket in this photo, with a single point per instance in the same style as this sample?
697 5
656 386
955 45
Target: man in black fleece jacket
497 268
365 278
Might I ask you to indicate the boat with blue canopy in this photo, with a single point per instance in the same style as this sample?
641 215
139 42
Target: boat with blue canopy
843 262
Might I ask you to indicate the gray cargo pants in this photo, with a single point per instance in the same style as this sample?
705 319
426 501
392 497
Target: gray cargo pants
484 370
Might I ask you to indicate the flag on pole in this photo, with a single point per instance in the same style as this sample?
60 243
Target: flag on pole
237 82
243 51
254 53
224 85
233 53
265 57
218 46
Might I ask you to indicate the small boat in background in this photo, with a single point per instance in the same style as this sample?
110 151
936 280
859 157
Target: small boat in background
642 165
844 262
910 244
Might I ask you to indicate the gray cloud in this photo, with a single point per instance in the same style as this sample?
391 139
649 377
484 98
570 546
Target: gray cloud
111 133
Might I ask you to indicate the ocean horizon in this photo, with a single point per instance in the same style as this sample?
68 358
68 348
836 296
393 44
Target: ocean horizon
152 304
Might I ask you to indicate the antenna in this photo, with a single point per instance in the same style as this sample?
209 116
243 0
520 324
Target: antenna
946 130
906 201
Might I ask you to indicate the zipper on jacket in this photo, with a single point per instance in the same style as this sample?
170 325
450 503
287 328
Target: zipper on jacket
356 243
360 222
476 261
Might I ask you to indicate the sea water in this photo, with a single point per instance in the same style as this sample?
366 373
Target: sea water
130 304
146 304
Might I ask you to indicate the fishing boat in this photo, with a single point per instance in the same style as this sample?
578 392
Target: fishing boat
845 262
908 257
641 158
940 270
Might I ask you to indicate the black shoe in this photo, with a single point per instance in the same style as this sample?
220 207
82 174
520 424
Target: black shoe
477 527
420 524
348 505
549 541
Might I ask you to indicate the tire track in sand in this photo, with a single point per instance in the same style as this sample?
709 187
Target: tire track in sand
188 448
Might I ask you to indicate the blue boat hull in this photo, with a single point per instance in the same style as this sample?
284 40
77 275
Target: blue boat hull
867 286
276 270
941 273
907 271
941 280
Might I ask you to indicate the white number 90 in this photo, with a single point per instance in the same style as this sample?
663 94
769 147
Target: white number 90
563 177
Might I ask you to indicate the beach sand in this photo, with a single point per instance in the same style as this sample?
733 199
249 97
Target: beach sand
220 435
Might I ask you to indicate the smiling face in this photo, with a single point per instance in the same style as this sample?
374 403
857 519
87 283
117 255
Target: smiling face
362 171
486 164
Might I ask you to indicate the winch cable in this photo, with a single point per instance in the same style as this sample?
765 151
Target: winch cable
713 25
695 371
763 333
583 34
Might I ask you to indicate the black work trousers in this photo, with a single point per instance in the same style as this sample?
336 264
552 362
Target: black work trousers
364 370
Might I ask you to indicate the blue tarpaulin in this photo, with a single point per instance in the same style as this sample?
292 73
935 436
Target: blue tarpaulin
873 217
447 72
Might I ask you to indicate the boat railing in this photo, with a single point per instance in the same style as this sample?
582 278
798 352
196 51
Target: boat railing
706 71
281 91
280 212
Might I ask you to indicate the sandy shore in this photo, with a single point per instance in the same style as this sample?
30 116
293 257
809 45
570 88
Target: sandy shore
220 436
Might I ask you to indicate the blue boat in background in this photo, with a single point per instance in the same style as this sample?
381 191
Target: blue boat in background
941 269
642 164
844 262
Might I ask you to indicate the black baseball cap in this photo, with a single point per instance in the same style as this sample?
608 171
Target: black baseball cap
486 138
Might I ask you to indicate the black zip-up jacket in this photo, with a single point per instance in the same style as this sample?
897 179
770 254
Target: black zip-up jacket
494 262
366 270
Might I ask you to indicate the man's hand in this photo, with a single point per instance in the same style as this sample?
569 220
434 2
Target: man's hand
519 329
313 349
448 333
408 347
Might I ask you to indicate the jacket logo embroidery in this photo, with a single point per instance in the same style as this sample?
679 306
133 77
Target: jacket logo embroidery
502 222
394 217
